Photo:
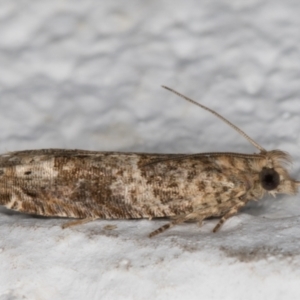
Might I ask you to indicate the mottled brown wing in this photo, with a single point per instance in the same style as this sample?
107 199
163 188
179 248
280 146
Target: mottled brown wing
110 185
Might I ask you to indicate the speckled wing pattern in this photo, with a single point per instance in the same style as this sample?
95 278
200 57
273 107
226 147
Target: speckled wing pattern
89 185
113 185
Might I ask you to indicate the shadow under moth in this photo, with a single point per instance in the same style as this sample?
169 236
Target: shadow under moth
89 185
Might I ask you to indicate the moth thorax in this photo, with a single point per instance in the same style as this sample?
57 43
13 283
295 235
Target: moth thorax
269 179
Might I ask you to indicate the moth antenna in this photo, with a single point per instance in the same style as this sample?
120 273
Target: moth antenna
256 145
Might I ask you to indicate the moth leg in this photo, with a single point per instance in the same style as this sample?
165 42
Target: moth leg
229 214
178 220
200 221
167 226
77 222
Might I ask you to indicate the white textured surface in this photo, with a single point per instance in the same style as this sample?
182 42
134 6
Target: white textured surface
87 74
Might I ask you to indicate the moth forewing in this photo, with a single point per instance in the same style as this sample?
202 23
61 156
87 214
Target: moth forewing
88 185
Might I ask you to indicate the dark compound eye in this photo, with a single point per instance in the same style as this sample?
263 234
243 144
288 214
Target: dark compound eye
269 179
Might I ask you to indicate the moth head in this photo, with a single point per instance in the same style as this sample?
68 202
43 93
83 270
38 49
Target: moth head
274 177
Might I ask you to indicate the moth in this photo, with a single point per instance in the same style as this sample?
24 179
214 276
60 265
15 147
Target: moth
89 185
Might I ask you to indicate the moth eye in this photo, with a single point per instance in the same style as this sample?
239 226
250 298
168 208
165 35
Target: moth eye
269 179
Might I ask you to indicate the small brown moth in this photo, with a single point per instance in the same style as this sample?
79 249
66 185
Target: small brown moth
112 185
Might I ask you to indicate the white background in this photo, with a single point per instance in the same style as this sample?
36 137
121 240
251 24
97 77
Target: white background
87 74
